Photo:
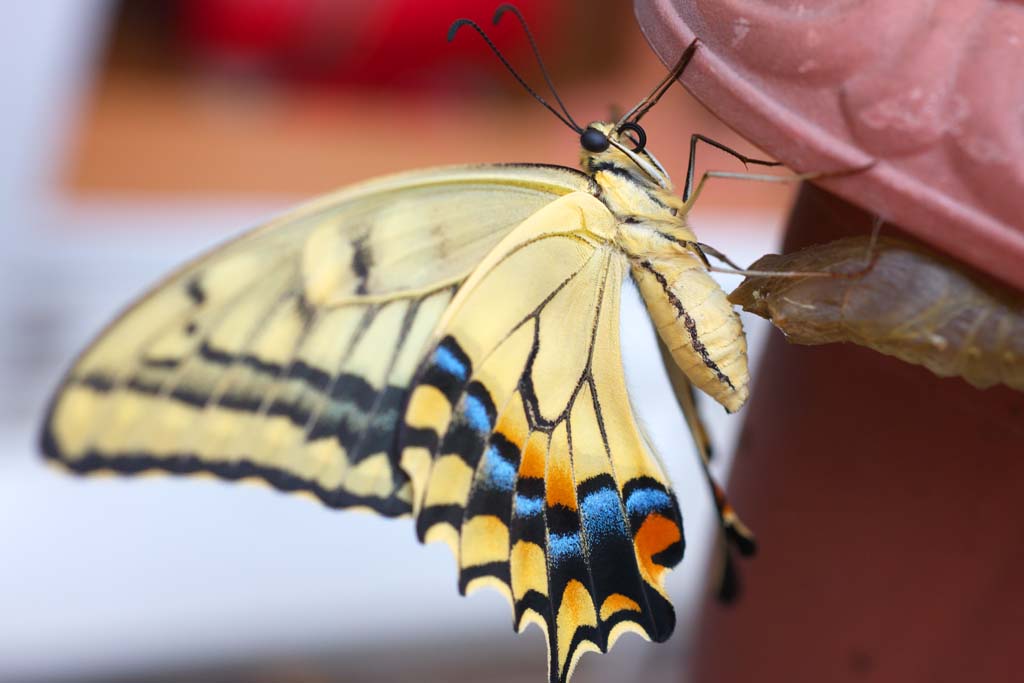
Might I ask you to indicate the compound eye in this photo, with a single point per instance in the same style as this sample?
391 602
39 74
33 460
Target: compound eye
594 140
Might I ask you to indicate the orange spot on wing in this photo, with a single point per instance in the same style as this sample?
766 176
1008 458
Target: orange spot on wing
558 485
617 602
534 455
655 535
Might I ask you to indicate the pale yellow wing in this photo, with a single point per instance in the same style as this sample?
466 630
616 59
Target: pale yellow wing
285 354
522 448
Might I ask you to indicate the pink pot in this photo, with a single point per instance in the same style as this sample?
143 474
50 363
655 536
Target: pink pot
930 90
886 500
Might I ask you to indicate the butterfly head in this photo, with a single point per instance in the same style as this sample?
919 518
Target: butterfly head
621 148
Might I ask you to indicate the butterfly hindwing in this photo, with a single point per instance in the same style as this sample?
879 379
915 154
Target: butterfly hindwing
286 354
522 448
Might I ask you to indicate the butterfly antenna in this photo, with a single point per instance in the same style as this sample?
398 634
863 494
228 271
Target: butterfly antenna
646 103
459 23
498 14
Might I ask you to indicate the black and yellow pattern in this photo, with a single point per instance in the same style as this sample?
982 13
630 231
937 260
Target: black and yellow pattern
286 354
526 460
443 344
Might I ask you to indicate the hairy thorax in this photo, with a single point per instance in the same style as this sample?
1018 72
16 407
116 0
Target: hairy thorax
651 222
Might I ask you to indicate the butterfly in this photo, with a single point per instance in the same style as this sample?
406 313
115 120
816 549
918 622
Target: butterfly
442 344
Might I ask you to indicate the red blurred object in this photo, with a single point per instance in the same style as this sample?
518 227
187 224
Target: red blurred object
391 42
887 504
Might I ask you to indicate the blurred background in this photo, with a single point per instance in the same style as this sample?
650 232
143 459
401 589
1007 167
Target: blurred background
139 133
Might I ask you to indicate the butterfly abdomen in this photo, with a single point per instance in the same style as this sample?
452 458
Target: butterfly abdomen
697 323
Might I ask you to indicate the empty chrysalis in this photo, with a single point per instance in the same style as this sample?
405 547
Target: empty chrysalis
897 298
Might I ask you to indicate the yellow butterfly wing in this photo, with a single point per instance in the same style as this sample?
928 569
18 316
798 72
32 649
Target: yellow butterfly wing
286 354
522 449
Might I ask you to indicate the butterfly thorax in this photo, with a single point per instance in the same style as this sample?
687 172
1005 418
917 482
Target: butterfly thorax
631 198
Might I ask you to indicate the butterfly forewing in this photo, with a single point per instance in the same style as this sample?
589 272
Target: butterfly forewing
286 354
443 343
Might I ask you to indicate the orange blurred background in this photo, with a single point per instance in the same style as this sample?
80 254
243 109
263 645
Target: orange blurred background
301 96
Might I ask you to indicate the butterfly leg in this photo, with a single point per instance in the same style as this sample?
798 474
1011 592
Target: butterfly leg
760 177
697 137
870 256
684 392
734 531
689 198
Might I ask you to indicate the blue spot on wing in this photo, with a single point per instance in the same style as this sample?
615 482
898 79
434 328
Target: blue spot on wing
476 414
644 501
602 514
497 472
446 360
563 547
527 506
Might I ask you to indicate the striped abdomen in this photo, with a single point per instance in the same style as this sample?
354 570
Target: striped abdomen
698 324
